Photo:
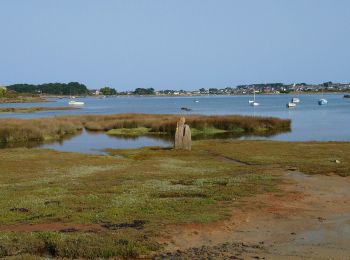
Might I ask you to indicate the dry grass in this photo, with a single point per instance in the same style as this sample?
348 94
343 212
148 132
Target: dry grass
167 123
21 130
32 109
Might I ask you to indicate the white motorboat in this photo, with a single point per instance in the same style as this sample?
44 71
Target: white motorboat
295 100
76 103
323 101
291 105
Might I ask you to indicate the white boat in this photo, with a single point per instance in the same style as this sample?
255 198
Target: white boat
295 100
196 101
253 102
291 104
76 103
323 101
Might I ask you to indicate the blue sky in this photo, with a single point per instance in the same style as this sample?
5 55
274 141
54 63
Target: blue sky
178 44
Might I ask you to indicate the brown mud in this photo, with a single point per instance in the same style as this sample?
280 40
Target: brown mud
308 219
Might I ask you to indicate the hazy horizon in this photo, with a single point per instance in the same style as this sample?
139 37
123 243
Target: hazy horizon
174 44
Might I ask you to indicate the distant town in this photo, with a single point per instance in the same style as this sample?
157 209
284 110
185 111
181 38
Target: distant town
75 88
269 88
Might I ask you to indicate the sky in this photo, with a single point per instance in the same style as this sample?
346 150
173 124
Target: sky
177 44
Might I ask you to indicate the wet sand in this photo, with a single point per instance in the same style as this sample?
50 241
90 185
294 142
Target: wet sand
309 219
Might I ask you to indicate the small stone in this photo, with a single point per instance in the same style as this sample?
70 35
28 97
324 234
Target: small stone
337 161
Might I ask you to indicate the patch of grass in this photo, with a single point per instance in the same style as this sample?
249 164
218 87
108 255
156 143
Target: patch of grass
129 131
26 130
63 245
308 157
207 131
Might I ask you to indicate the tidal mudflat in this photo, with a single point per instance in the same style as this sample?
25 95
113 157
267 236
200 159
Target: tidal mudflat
225 198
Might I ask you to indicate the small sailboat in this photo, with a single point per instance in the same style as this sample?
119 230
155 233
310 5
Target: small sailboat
253 102
291 105
322 101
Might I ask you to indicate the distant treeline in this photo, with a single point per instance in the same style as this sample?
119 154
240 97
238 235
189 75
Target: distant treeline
72 88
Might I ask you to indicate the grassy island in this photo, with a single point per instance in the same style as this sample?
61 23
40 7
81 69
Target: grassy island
21 130
32 109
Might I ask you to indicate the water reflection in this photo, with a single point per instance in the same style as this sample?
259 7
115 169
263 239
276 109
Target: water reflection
97 142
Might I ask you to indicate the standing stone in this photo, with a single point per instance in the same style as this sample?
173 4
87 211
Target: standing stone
183 135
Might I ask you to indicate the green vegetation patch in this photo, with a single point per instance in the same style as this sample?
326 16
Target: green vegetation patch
207 131
131 197
154 186
129 131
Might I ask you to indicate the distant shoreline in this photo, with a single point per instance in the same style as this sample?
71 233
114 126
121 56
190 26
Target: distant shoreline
198 95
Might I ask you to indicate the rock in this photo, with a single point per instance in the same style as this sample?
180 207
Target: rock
183 136
337 161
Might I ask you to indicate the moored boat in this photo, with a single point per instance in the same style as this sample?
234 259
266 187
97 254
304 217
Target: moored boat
295 100
347 96
323 101
291 105
253 102
76 103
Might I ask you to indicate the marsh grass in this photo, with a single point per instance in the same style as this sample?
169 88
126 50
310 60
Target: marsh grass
32 109
158 186
26 130
167 123
161 187
307 157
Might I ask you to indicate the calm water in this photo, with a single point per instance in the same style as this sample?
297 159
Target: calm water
96 143
309 120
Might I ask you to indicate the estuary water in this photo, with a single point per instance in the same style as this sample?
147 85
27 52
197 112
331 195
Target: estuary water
310 121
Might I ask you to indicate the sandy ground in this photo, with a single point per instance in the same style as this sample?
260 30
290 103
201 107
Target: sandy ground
310 219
